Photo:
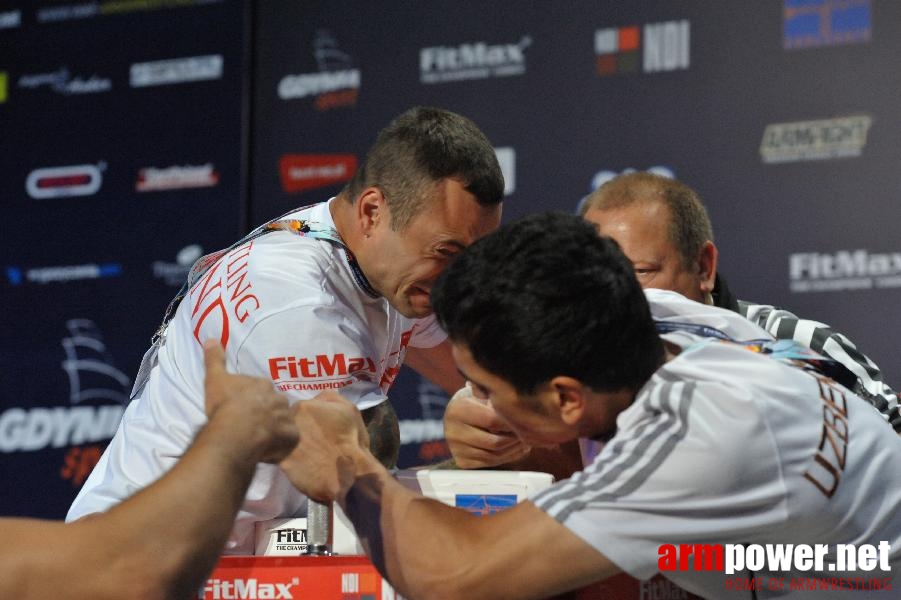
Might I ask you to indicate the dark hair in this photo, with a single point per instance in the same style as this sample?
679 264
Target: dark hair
418 149
546 296
689 225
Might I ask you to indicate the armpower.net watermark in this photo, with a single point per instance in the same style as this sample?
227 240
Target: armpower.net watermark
849 567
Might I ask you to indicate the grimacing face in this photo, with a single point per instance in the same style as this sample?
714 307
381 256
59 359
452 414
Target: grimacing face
640 229
404 264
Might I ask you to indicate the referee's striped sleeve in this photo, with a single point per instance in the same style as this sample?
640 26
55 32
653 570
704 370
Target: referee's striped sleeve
831 344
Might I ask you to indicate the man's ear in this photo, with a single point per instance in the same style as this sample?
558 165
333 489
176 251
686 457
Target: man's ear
706 265
570 398
371 209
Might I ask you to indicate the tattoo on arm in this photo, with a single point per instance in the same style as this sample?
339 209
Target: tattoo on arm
384 433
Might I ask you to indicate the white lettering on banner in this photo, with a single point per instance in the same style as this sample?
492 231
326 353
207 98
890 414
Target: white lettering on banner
311 84
477 60
415 431
10 19
64 13
176 177
506 158
62 82
177 70
315 172
38 428
844 270
666 46
815 140
246 589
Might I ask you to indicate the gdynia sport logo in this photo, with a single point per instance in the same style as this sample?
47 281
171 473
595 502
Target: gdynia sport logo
805 566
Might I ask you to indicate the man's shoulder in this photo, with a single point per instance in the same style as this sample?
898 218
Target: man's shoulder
672 308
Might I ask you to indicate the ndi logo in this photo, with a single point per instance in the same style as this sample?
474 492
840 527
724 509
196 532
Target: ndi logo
477 60
661 47
843 270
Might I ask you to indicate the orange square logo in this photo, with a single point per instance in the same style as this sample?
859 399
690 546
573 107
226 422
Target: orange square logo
629 38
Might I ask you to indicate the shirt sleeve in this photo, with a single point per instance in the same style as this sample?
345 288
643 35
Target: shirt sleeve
822 338
670 476
428 333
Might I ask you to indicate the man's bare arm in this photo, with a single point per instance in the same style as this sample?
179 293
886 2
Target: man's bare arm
164 540
437 365
462 556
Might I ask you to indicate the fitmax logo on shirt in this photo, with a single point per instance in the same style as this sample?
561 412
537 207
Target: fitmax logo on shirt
319 367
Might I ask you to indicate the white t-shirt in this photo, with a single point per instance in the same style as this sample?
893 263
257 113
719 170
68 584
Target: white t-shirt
725 446
672 309
285 307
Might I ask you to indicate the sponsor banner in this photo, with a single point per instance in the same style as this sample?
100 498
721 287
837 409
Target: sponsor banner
68 12
506 158
86 10
652 48
176 70
302 172
843 270
152 179
809 23
98 393
336 83
33 429
823 139
64 182
4 86
321 577
62 274
10 19
473 60
175 274
63 82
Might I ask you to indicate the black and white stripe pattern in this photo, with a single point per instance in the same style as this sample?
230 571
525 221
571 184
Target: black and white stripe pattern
627 463
828 342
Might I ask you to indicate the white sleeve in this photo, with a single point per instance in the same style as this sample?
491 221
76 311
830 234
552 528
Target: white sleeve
673 476
428 333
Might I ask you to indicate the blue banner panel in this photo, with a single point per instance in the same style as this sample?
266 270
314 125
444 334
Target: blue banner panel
122 160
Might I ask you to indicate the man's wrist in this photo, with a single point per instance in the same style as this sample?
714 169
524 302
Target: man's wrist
366 467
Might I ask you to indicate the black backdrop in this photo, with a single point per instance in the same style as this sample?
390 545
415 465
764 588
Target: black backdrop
136 135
